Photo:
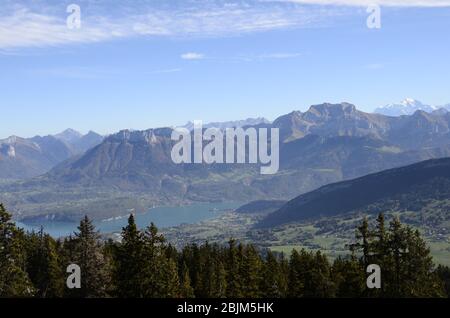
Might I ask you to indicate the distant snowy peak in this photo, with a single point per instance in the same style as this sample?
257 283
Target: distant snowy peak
409 106
406 107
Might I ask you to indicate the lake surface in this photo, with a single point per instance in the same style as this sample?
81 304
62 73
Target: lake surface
161 216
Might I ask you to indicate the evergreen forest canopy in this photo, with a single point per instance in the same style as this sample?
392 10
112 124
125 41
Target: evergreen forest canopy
144 265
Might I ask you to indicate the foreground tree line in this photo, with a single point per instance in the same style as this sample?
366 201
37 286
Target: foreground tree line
144 265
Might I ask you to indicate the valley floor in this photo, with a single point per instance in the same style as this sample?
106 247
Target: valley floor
330 235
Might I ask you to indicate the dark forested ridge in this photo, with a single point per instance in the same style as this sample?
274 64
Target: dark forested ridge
144 265
259 206
405 188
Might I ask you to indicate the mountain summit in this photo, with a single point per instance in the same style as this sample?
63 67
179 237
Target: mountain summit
69 135
330 120
406 107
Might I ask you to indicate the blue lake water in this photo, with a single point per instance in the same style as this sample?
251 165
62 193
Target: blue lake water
161 216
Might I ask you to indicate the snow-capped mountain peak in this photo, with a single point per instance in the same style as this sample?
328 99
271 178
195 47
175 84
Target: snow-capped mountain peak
408 106
410 101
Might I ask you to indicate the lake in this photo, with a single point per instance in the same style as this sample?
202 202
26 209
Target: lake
161 216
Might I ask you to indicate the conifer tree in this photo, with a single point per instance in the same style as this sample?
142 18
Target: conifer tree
186 290
296 281
420 278
443 272
397 248
349 278
195 269
160 273
220 279
234 258
251 272
363 238
43 265
129 272
380 253
272 284
319 283
206 276
284 274
407 268
310 275
88 254
14 281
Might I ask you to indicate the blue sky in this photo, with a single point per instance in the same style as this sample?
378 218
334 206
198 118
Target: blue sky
145 64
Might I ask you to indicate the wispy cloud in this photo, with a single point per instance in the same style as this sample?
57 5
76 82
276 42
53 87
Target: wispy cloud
192 56
23 25
36 23
23 28
365 3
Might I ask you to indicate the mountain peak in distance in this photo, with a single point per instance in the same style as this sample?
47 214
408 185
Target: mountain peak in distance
408 106
69 135
333 109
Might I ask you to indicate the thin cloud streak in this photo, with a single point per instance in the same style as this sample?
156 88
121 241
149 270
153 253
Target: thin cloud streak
365 3
28 29
192 56
22 27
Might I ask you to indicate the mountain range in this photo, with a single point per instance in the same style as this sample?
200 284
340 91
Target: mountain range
133 169
408 107
22 158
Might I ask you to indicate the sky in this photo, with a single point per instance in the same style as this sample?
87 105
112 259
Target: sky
143 64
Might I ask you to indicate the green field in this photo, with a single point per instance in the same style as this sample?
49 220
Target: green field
330 235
